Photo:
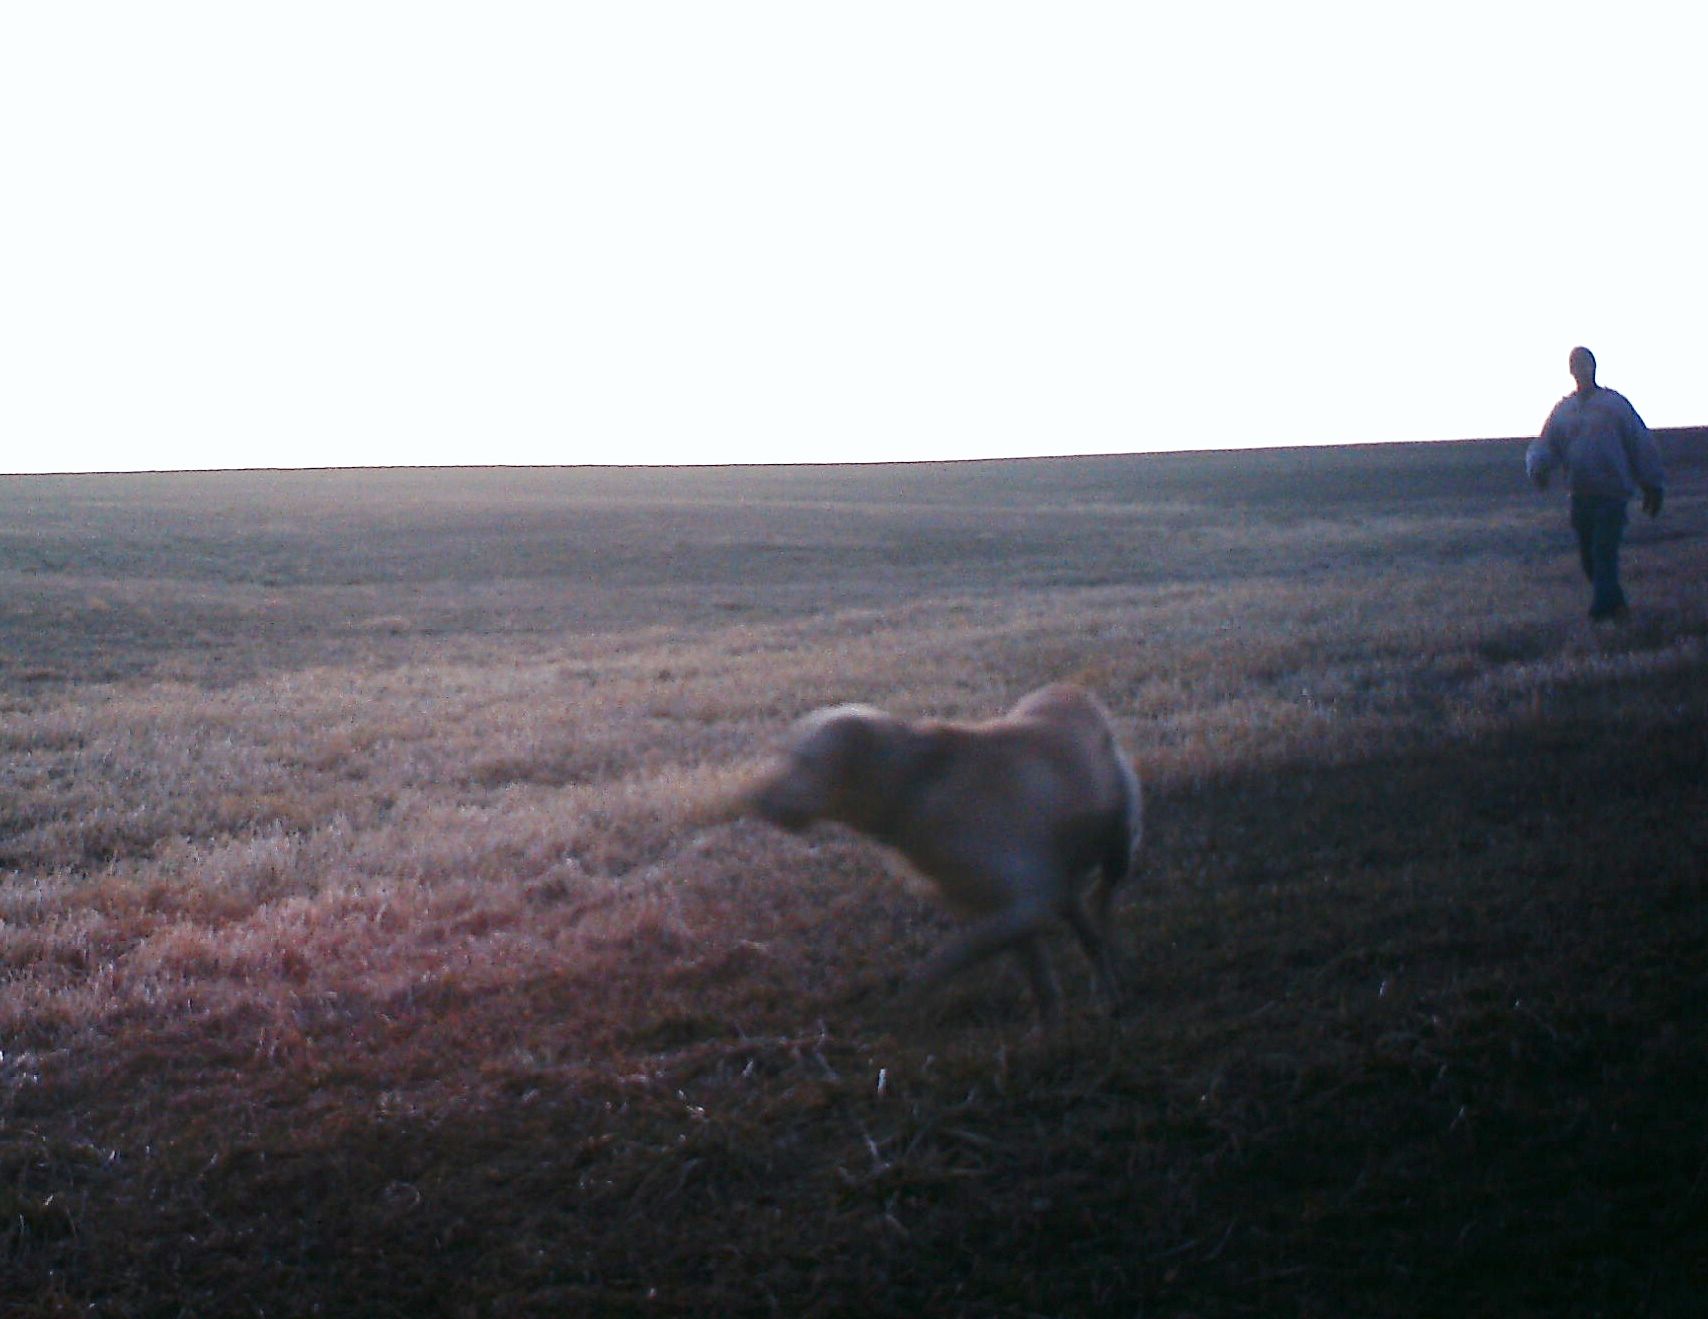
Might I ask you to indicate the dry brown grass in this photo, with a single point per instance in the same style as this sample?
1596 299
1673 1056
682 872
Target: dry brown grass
373 938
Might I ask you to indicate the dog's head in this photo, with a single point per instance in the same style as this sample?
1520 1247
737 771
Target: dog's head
824 769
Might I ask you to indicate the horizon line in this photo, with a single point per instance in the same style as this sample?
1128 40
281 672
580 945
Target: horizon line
761 465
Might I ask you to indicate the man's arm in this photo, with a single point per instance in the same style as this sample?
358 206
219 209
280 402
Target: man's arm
1542 457
1645 457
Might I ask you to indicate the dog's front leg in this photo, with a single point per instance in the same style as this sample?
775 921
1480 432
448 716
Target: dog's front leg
1016 928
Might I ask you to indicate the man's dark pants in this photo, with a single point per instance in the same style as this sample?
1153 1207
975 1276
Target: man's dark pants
1599 521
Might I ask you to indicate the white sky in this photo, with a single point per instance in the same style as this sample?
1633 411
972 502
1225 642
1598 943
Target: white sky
247 234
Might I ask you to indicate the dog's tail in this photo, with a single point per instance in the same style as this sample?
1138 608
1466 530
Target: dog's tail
1121 846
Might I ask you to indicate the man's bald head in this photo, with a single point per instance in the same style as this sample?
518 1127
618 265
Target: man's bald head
1582 364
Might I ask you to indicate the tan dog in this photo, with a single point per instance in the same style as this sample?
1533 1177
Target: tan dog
1008 817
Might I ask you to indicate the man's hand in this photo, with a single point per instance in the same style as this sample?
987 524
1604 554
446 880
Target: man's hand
1652 500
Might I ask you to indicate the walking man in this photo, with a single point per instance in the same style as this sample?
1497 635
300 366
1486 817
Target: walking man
1608 454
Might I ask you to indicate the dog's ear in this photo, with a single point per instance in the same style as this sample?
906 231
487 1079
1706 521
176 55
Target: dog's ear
835 743
853 745
845 757
821 759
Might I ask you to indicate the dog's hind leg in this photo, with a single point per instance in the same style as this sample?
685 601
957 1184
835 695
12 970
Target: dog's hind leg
1030 951
1094 938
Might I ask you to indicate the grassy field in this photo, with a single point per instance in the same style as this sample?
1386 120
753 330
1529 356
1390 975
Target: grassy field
374 939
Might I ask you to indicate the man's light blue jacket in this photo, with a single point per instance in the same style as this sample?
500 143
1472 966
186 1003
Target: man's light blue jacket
1602 443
